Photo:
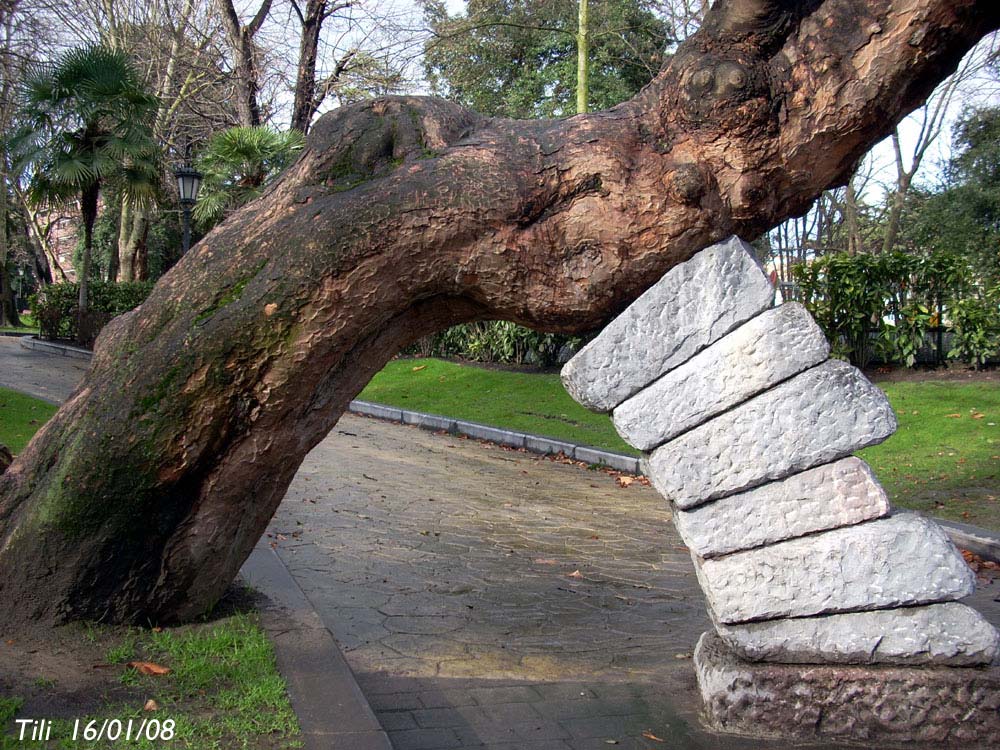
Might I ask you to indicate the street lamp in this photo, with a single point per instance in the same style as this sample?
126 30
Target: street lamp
188 183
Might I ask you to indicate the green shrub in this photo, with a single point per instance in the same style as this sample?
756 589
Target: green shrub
55 308
495 341
976 324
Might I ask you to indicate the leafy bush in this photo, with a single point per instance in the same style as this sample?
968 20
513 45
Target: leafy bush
495 341
886 304
976 323
56 308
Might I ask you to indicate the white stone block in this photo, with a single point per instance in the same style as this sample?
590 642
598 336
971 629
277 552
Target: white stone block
818 416
826 497
695 303
768 349
950 633
898 561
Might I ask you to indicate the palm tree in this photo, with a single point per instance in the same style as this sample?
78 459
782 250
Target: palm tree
236 166
85 126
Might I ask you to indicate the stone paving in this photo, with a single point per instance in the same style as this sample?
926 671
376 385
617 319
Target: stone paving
47 376
487 597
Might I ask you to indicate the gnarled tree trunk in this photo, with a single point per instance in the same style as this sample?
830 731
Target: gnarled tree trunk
144 494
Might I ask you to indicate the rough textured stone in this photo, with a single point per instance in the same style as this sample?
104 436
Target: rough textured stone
826 497
948 633
772 347
818 416
892 562
694 304
940 706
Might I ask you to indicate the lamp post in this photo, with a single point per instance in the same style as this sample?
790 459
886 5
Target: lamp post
188 183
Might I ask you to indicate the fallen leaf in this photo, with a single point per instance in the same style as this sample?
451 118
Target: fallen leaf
419 368
952 416
151 705
545 561
653 737
270 309
575 574
610 742
978 415
148 667
624 481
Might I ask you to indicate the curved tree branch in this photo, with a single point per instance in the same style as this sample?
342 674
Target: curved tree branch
143 495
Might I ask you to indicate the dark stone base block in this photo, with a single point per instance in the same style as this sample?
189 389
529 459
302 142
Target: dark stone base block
939 706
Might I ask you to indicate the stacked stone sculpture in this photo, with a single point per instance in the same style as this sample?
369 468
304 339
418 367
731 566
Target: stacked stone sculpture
749 429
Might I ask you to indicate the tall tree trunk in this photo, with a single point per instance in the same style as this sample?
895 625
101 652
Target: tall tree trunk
305 76
851 223
88 214
582 58
245 72
8 307
131 235
143 495
8 310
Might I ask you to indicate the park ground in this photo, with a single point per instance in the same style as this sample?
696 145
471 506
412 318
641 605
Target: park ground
395 549
943 461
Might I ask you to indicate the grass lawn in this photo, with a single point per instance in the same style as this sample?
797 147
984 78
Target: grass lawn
20 417
223 689
944 460
28 325
526 402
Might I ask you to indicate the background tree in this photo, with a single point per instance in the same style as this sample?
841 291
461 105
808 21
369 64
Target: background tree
85 125
236 166
519 58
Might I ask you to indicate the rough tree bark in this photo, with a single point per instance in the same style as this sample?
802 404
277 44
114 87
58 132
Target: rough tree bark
140 499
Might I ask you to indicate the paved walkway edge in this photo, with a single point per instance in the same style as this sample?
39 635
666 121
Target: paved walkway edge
67 350
532 443
982 542
333 712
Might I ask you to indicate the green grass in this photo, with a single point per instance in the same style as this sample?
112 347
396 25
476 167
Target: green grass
945 458
223 690
526 402
942 465
20 417
28 325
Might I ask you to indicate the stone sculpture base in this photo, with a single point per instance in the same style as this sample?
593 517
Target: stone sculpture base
941 706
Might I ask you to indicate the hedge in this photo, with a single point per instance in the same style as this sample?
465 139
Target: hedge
58 314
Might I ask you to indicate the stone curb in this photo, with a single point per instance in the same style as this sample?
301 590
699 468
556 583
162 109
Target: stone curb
982 542
532 443
32 342
16 334
333 713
